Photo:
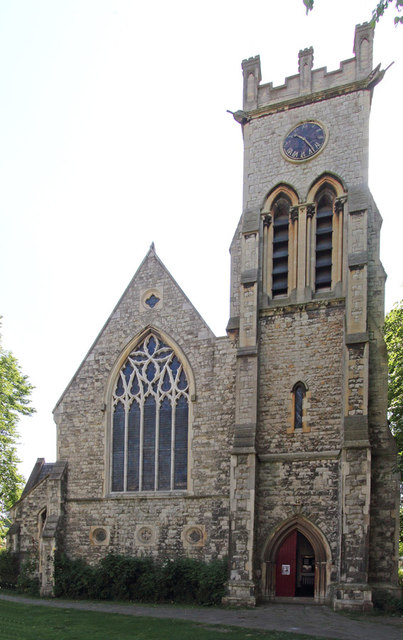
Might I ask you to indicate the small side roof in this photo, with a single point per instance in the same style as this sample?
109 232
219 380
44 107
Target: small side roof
39 472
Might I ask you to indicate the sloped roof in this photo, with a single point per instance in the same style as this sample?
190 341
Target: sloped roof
39 472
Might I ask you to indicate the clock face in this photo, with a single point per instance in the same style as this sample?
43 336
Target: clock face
304 141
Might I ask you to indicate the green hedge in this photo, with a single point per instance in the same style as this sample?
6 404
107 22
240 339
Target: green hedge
8 569
118 577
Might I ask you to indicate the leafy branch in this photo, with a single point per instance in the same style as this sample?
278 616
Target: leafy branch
377 13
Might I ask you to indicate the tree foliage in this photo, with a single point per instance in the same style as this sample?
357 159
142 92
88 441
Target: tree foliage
394 343
377 13
15 391
381 8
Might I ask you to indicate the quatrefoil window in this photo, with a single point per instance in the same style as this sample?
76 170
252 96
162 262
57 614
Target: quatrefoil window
152 301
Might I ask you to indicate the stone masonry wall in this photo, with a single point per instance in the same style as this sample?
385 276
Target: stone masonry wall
169 524
346 152
235 251
26 514
301 344
309 488
384 511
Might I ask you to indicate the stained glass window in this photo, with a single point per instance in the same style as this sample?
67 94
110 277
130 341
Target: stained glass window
150 420
152 301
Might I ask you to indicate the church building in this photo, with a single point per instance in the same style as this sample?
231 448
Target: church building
270 445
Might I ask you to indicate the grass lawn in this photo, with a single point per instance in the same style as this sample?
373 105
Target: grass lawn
27 622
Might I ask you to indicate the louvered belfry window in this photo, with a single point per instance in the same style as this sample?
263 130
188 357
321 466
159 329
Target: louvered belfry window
150 420
324 242
281 211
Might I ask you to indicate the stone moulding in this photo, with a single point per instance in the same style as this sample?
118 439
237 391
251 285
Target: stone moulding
194 536
332 454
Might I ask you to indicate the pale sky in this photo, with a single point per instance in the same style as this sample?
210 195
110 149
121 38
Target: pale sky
114 133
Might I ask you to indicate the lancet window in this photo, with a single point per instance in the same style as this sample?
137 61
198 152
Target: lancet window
299 419
281 214
299 396
324 237
324 240
150 420
279 247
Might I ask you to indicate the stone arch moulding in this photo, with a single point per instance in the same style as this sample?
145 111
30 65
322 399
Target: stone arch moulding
282 188
139 337
323 558
301 377
329 179
276 240
109 388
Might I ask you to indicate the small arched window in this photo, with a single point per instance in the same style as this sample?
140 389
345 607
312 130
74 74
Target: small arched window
150 417
299 420
324 239
281 216
299 392
42 520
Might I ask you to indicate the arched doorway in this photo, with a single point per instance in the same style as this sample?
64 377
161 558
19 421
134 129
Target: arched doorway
295 567
296 561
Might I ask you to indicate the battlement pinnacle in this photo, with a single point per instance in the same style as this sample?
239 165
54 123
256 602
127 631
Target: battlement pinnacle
351 75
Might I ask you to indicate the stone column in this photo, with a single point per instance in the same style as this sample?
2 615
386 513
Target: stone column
310 250
363 49
241 586
56 486
294 250
353 590
305 65
252 76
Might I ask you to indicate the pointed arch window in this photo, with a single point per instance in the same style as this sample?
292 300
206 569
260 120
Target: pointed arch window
150 420
280 247
281 216
324 239
299 420
299 397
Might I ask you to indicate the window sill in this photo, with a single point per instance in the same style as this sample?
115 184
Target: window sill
156 495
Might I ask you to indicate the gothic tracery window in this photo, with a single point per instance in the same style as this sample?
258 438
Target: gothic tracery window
150 416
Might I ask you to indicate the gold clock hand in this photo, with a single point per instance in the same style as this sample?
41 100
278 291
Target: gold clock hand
304 140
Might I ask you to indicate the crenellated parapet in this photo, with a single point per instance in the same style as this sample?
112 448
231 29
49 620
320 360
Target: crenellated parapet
309 81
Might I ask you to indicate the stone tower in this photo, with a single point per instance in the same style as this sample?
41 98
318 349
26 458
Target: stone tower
313 496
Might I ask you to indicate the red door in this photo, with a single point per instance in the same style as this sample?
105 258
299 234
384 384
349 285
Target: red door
286 565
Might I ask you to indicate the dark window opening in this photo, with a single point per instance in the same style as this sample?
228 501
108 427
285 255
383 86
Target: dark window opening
324 242
281 211
299 395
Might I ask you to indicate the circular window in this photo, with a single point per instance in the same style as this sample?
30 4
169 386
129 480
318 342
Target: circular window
194 535
99 535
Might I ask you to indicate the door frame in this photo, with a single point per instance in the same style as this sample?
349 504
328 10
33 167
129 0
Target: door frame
323 557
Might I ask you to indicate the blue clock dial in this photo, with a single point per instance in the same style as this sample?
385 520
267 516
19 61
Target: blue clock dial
304 141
